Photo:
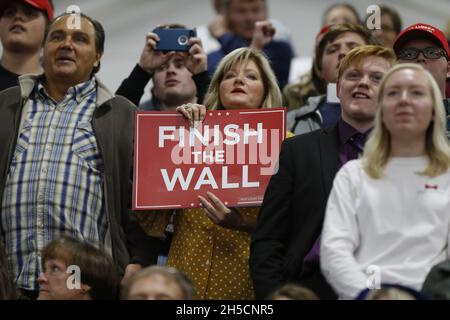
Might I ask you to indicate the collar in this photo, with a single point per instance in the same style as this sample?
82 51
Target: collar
346 131
27 83
77 92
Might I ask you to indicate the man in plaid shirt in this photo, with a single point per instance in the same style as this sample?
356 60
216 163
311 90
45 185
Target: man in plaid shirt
66 157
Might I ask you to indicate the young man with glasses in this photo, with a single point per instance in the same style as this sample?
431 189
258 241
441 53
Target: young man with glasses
427 45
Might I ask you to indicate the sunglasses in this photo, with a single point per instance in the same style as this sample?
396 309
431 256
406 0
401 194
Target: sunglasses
429 53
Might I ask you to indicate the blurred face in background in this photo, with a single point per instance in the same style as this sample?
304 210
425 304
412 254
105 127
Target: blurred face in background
335 51
22 27
242 87
242 15
173 84
155 287
340 15
387 34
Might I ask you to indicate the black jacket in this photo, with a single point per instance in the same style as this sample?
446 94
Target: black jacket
292 213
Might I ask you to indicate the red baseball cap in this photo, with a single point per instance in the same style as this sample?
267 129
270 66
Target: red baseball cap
322 31
422 30
43 5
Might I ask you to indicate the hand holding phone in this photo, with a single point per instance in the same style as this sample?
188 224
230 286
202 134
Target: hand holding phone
151 59
195 60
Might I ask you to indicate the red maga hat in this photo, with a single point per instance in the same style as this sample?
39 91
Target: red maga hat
43 5
422 30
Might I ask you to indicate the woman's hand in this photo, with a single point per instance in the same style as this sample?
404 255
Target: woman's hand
195 113
229 218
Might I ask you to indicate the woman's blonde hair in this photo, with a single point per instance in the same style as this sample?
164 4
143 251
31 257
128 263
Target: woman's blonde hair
241 56
378 148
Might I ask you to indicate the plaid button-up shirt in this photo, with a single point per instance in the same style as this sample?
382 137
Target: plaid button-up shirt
55 182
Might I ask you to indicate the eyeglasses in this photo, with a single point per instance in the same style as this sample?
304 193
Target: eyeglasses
429 53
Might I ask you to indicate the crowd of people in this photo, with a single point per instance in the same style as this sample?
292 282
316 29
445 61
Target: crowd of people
359 207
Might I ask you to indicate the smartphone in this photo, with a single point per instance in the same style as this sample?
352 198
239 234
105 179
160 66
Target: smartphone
174 39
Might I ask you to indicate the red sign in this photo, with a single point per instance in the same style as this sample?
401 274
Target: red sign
233 154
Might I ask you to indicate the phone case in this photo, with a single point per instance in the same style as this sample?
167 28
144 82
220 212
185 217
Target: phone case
173 39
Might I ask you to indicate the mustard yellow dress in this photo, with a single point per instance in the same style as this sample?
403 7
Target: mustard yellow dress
216 259
213 257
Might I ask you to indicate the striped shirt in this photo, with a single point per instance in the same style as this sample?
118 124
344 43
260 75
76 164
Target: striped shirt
54 185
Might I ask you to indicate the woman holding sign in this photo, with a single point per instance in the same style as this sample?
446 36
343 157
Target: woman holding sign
211 244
